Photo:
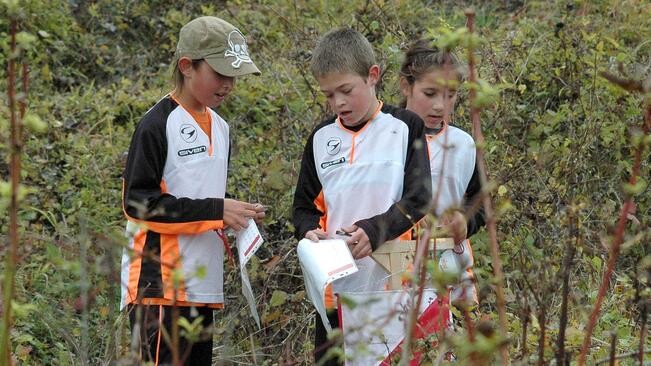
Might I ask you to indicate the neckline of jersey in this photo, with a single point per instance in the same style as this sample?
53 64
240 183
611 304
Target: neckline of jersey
430 136
199 117
355 133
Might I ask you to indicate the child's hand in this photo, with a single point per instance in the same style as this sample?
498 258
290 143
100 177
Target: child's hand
359 243
455 224
238 213
316 235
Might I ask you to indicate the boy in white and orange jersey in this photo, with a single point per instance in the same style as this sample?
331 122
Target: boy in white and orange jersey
364 171
174 187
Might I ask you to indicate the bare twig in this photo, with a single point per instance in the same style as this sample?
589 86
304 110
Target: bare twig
542 319
570 250
613 348
619 357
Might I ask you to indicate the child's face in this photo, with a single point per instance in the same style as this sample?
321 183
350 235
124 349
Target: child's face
427 96
351 96
206 86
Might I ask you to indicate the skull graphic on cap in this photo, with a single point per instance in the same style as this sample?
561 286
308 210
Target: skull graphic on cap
238 49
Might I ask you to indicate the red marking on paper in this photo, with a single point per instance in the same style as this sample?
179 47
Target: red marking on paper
349 265
246 252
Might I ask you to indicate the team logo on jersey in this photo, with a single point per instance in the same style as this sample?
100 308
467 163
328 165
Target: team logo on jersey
238 49
333 146
192 151
328 164
188 133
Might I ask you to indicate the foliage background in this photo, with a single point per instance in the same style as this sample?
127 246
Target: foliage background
558 144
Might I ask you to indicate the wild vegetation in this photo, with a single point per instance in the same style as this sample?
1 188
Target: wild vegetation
561 140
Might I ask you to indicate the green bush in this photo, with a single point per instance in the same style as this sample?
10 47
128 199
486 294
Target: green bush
558 144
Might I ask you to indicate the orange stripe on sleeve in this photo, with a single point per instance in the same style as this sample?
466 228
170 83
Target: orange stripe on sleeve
191 227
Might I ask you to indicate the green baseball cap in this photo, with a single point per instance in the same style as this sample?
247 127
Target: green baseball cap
219 43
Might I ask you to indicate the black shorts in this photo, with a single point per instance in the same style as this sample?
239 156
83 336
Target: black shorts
155 341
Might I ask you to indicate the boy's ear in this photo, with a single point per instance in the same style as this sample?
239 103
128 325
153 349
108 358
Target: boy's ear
404 86
374 74
185 66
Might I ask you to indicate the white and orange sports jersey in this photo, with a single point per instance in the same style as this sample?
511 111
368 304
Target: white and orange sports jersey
174 187
375 176
455 182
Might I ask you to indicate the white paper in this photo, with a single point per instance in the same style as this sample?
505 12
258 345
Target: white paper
248 242
376 325
322 263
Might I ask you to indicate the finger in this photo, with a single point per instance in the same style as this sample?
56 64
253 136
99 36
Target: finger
243 222
357 249
248 214
349 229
362 250
312 236
321 234
259 207
363 254
357 235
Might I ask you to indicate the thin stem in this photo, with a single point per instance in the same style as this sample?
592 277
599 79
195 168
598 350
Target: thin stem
613 349
570 250
12 257
488 208
542 319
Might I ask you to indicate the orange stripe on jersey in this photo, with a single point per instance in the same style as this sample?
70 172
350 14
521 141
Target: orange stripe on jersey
355 133
320 204
429 139
203 119
191 227
170 254
160 327
135 265
329 297
406 236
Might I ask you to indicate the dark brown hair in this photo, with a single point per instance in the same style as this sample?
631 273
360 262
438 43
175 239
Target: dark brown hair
423 57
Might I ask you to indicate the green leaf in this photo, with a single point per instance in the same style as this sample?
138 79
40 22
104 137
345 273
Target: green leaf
278 298
34 123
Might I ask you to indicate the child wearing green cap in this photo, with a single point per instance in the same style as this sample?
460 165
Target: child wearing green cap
174 188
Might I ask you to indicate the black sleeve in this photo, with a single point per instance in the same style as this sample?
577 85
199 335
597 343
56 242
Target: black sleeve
416 194
473 192
143 197
305 213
